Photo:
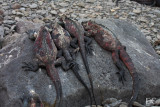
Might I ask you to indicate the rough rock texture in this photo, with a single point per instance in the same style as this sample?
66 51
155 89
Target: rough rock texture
15 82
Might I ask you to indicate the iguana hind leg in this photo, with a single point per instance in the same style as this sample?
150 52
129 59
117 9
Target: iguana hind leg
116 60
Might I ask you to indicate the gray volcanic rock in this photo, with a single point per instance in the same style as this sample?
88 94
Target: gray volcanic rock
15 82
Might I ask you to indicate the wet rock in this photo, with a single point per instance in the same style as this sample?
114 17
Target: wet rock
18 82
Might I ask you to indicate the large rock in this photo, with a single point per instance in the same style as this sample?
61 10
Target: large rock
15 82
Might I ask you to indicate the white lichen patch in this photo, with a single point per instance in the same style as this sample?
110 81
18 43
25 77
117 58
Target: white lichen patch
12 54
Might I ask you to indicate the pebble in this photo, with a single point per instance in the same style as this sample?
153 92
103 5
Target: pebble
16 6
10 22
33 6
136 104
1 32
149 38
63 4
123 104
90 1
137 11
62 10
53 12
1 12
157 102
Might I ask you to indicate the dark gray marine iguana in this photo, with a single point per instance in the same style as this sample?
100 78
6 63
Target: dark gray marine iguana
62 40
109 42
146 2
77 32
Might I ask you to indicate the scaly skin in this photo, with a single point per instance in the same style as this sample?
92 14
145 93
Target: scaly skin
76 30
110 43
46 52
62 41
146 2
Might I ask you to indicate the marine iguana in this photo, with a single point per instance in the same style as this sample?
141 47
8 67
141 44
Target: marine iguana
46 53
62 41
109 42
146 2
77 32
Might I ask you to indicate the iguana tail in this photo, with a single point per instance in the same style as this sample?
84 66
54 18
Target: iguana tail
75 71
84 58
129 64
56 80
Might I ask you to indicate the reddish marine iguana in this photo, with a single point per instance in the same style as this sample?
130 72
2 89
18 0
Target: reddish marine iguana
46 53
76 30
62 41
109 42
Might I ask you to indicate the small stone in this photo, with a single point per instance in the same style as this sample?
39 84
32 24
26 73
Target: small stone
157 102
142 19
53 12
53 5
137 11
1 12
157 12
40 2
19 14
109 101
136 104
10 22
158 52
90 1
149 38
63 4
41 12
16 6
81 4
1 32
73 15
158 36
37 20
22 9
62 10
33 6
14 12
123 104
94 106
155 30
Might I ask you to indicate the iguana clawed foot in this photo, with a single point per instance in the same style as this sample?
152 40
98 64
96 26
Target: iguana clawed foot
121 75
89 49
28 66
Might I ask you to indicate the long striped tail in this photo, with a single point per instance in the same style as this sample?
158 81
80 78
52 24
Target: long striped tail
82 50
56 80
75 71
129 64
